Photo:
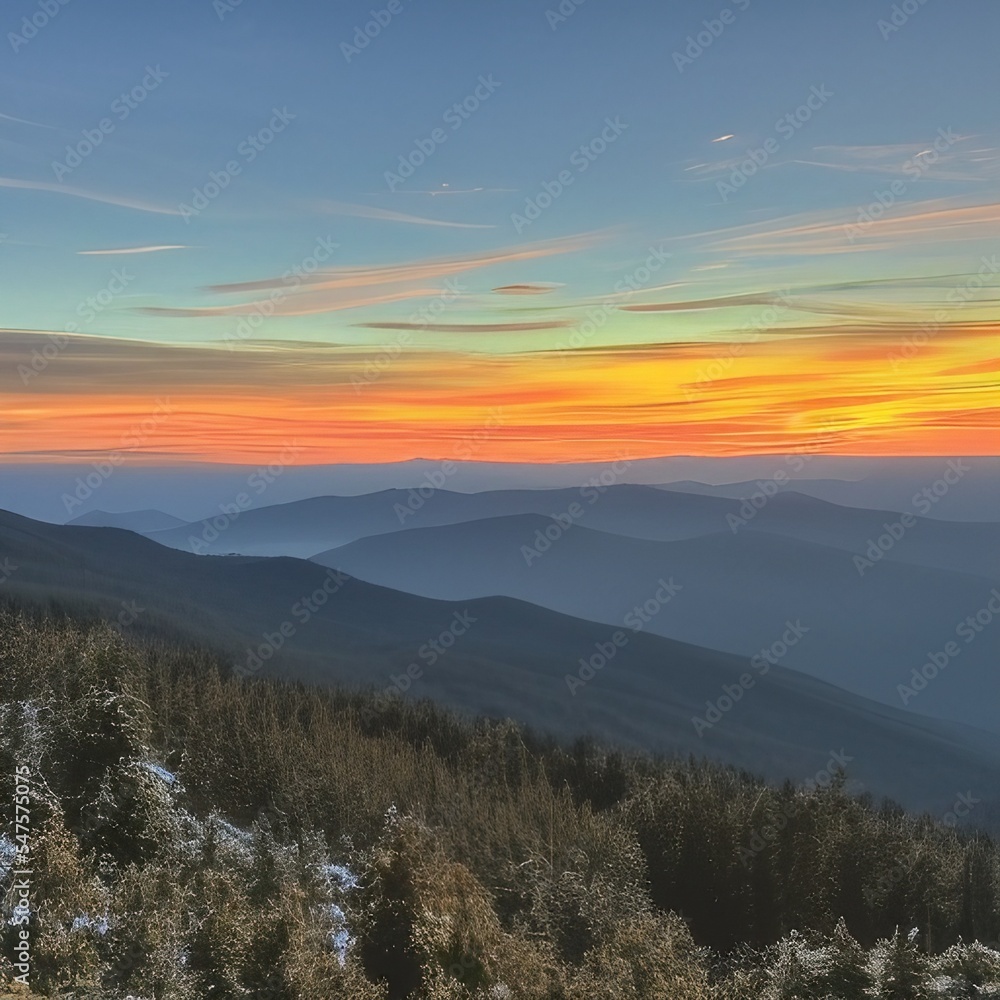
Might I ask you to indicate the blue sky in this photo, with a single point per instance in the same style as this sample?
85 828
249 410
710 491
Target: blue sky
354 119
657 179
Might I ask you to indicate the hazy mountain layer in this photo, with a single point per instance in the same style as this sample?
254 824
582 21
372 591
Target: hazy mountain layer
498 656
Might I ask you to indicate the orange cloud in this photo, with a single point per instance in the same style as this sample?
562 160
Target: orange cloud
928 222
825 392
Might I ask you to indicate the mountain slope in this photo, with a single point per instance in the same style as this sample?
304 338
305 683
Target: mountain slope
143 521
877 484
512 659
866 633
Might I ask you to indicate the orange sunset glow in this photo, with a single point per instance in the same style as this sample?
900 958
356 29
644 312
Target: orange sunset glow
833 393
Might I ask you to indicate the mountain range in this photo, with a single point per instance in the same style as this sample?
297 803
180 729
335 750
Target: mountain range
499 656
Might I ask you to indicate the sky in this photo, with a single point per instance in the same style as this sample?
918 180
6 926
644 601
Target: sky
518 231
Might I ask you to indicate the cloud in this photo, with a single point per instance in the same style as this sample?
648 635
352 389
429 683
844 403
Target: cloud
384 215
722 302
348 288
533 288
445 189
901 170
302 304
428 269
153 249
948 157
709 170
630 292
867 307
105 199
473 327
24 121
928 223
873 151
243 405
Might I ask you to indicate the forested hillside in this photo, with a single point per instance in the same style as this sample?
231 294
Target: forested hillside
194 835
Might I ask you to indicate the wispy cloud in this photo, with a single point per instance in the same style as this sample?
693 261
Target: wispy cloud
948 157
106 199
447 189
422 270
722 302
532 288
125 250
711 169
868 307
384 215
350 288
307 304
24 121
552 324
928 223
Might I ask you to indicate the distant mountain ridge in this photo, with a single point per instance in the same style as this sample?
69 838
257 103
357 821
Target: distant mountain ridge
306 528
142 521
865 632
884 483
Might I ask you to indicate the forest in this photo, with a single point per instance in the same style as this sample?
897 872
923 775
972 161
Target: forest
190 833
